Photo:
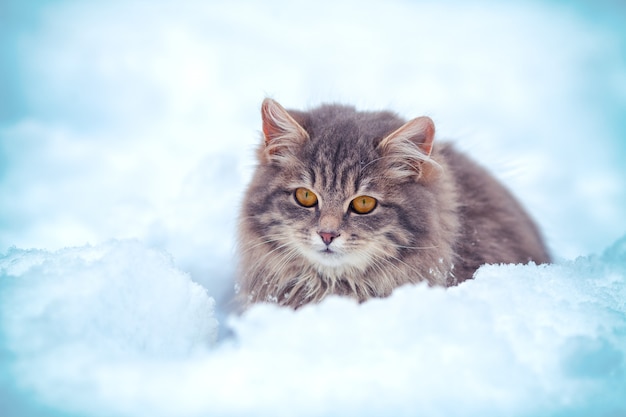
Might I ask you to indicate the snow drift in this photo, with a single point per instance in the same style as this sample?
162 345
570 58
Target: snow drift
116 330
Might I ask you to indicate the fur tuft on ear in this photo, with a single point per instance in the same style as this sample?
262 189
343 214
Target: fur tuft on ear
407 150
280 130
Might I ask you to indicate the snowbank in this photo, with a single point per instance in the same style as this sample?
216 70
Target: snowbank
115 330
66 317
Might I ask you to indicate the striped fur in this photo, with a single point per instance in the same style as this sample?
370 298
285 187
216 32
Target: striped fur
439 215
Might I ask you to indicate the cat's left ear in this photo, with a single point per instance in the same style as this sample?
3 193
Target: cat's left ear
281 132
408 148
419 131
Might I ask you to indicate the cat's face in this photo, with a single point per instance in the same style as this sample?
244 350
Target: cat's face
336 242
335 197
338 220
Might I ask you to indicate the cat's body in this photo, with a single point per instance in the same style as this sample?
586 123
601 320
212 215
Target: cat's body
359 203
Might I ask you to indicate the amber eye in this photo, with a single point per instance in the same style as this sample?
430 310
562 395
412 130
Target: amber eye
305 197
363 204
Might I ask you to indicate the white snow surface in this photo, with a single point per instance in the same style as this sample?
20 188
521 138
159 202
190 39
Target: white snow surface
114 330
127 135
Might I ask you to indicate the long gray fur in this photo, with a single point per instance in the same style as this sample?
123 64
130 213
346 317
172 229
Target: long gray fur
439 215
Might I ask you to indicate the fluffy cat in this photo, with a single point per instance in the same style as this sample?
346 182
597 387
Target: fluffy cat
358 203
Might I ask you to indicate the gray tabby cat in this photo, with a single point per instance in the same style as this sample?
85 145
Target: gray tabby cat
358 203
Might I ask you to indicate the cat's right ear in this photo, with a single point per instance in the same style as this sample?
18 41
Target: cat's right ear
281 132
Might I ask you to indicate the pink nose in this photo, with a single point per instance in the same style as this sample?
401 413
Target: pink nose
328 237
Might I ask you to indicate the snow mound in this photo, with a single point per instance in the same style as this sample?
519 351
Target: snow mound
517 340
66 316
120 297
114 330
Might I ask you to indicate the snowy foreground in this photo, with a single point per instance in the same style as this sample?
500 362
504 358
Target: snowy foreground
117 330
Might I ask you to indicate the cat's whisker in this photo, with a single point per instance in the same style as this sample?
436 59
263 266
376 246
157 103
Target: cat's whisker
268 239
416 247
285 262
270 253
417 272
387 258
251 245
380 274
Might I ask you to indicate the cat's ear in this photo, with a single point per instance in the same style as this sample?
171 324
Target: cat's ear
407 149
419 131
281 132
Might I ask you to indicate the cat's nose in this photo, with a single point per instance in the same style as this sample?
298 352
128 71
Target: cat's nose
328 237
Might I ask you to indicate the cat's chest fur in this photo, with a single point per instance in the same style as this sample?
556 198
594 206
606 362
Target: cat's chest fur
358 203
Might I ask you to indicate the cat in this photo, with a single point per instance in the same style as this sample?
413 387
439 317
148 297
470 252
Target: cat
358 203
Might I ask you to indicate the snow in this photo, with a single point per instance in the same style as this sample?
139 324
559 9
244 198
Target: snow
115 330
127 136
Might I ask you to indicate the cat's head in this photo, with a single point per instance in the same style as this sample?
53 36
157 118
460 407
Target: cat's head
340 191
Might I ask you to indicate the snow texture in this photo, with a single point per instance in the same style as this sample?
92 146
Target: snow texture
115 330
127 136
67 316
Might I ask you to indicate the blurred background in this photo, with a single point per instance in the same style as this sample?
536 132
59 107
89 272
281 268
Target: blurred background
137 119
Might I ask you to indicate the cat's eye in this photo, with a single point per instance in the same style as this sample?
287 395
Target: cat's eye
305 197
363 204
